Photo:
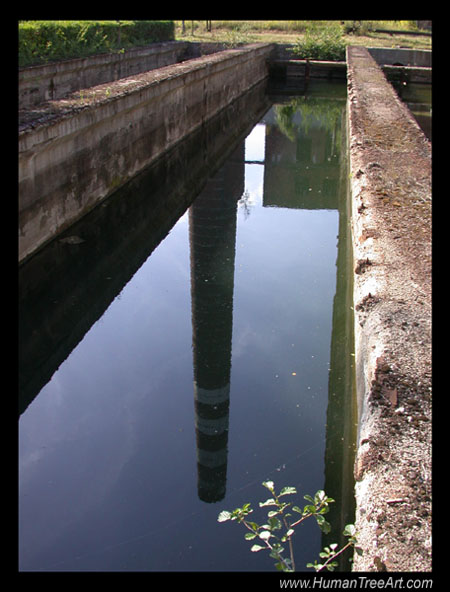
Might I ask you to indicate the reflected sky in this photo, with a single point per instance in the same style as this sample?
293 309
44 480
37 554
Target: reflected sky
108 452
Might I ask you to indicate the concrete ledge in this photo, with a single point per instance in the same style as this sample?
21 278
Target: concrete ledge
74 152
308 69
54 80
390 164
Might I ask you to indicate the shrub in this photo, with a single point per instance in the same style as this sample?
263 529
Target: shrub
279 528
44 41
321 41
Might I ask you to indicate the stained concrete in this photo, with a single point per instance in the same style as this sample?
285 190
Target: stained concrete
305 69
75 151
94 259
56 79
401 56
390 164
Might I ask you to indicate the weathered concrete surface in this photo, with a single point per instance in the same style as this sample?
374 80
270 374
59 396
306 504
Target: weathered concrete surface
390 163
401 56
308 69
55 315
74 152
408 74
54 80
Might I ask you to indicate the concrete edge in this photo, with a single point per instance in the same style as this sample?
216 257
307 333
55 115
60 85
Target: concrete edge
88 102
101 128
390 171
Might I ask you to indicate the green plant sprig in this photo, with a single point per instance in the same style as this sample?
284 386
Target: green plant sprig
278 517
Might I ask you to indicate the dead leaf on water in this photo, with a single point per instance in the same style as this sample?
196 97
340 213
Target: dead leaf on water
72 240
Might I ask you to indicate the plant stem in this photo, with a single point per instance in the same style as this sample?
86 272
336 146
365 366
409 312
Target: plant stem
307 515
291 548
334 556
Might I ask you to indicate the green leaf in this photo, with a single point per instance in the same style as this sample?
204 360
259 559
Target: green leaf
250 536
282 566
274 523
349 530
309 498
297 509
256 548
265 535
315 565
268 502
323 524
237 514
290 532
270 485
276 553
287 491
319 497
224 516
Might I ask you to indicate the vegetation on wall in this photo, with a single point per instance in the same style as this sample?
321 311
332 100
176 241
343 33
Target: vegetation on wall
44 41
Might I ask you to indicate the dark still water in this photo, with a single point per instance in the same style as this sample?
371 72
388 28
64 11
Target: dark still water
169 365
418 98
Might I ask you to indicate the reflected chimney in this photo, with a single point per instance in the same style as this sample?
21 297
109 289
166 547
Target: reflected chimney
212 237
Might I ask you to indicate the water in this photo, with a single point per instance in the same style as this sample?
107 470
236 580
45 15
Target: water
418 99
164 385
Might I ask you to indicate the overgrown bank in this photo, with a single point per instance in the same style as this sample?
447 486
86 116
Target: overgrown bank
45 41
41 42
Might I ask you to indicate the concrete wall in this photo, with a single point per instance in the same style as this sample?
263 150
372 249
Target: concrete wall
78 153
53 81
60 312
390 171
382 55
404 57
408 74
303 70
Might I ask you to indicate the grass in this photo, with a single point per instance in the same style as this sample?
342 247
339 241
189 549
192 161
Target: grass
234 32
51 43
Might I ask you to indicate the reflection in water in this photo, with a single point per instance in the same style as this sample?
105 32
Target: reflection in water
417 97
110 474
65 288
302 169
212 237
